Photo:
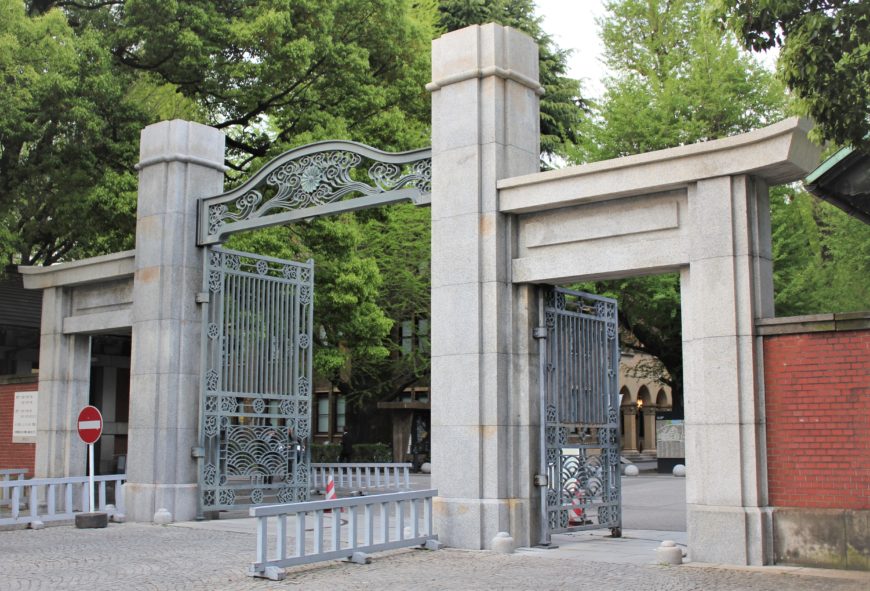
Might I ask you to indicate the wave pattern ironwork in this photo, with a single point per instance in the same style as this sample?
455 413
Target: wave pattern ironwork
582 412
256 380
317 179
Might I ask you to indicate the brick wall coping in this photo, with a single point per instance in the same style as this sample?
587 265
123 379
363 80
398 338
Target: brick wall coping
4 380
814 323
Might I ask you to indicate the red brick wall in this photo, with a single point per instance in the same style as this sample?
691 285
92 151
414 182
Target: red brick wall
817 388
14 455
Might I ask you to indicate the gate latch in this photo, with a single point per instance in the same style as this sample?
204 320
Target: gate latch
541 480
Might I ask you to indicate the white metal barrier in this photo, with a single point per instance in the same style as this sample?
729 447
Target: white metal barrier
358 525
6 475
387 476
54 499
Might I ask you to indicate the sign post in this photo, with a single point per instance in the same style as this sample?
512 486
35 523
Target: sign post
90 427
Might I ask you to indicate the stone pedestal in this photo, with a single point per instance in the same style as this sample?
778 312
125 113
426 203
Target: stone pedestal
179 161
485 127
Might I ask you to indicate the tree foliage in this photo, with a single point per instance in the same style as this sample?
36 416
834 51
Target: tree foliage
273 72
674 79
825 57
68 136
821 256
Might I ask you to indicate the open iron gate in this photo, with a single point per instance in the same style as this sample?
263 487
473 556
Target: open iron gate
255 389
580 369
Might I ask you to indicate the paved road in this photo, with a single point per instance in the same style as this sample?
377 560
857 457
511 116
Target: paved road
215 555
654 501
136 556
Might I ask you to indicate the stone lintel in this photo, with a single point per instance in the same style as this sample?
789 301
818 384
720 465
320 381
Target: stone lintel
100 269
114 321
778 154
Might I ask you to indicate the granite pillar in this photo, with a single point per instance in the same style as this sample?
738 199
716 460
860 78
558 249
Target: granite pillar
485 127
730 271
179 161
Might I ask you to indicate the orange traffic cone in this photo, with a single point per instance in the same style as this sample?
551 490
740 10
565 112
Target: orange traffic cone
576 516
330 492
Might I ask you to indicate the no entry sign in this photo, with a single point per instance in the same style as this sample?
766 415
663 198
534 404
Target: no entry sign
90 424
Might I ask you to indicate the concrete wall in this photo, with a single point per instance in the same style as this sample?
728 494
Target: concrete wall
817 395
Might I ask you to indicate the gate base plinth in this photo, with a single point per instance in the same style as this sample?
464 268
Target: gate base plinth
273 573
360 558
94 520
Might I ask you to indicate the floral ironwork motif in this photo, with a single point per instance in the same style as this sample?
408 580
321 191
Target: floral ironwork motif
317 175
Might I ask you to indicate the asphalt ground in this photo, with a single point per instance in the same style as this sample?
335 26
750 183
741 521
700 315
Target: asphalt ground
214 555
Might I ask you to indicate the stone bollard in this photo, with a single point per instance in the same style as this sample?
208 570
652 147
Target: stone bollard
679 471
94 520
162 516
503 543
631 470
669 553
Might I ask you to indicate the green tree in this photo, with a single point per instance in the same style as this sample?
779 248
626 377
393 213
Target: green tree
821 256
68 139
674 79
562 106
825 57
273 73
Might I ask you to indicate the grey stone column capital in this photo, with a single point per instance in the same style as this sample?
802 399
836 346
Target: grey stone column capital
481 51
181 141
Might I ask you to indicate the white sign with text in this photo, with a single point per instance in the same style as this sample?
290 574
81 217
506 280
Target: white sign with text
24 418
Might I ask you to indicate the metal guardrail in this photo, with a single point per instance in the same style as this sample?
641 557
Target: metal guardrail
363 476
54 499
6 475
411 525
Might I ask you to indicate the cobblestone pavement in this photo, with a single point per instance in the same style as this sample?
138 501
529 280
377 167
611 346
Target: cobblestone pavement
135 556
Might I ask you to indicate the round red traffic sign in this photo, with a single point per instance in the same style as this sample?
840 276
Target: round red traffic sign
90 424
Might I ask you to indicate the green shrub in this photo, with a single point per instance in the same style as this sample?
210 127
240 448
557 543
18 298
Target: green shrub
325 454
372 452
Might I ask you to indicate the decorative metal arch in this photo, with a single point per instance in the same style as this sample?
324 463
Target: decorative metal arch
313 180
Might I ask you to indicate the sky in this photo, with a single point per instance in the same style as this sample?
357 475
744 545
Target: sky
572 26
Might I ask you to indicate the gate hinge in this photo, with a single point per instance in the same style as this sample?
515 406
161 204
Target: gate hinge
541 480
203 297
539 332
197 452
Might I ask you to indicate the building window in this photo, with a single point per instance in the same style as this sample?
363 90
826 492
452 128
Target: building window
415 335
323 413
339 414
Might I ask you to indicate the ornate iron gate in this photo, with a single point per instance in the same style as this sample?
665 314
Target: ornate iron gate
255 397
581 412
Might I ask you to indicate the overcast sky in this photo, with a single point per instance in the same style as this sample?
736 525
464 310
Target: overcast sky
572 25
